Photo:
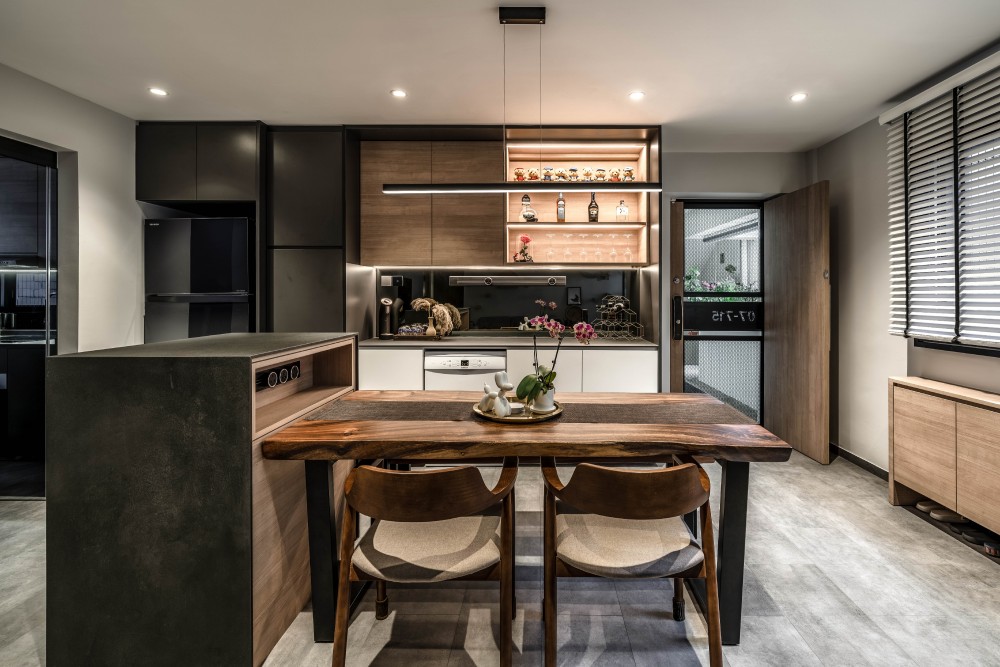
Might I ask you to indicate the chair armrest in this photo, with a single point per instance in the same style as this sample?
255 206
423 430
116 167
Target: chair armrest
551 476
702 475
508 475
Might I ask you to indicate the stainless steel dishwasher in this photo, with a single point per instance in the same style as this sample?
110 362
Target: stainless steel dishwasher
462 370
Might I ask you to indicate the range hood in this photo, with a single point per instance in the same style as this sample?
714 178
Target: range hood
505 281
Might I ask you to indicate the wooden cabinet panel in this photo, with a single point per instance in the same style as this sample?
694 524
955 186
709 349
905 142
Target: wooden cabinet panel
227 162
569 366
924 434
307 288
621 370
978 456
165 162
306 188
395 229
467 229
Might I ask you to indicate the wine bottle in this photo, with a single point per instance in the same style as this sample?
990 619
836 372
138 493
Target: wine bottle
560 209
592 209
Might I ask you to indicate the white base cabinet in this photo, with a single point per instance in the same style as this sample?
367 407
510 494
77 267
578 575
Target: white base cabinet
390 369
621 370
569 366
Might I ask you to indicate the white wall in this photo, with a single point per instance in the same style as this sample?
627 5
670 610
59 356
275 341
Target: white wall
864 354
718 176
103 240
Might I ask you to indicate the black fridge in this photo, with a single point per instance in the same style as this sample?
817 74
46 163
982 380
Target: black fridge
197 278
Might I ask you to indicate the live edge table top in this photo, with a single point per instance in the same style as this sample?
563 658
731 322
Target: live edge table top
402 425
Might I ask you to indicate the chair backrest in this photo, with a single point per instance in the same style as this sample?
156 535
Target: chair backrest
427 495
636 494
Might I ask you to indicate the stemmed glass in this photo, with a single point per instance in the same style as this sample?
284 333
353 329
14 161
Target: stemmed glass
628 247
583 247
614 251
550 254
568 249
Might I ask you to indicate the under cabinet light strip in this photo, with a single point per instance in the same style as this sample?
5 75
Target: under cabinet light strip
519 187
465 281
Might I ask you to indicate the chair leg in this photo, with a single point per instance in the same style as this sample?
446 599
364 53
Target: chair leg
549 615
381 601
342 617
711 588
513 555
507 585
679 600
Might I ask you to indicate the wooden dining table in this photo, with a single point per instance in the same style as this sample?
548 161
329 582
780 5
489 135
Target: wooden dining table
423 426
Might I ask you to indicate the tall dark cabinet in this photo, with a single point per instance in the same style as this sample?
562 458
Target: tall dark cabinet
215 169
306 233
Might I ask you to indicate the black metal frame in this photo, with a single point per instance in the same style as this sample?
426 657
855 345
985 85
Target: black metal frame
964 348
18 150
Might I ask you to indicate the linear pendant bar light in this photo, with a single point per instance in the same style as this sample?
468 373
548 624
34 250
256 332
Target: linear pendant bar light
518 16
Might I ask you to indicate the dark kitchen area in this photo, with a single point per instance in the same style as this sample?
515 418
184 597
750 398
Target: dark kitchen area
28 286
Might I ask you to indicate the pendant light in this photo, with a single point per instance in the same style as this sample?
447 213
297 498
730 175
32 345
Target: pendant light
518 16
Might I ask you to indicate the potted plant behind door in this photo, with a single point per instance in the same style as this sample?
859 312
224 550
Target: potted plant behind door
538 389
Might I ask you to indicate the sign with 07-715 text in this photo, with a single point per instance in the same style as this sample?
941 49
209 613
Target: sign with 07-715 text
724 315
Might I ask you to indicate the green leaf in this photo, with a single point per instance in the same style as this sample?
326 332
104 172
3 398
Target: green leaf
549 379
525 386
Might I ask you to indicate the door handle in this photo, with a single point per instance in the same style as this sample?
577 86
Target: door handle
676 318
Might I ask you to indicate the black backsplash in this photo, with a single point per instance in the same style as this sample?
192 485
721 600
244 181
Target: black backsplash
497 307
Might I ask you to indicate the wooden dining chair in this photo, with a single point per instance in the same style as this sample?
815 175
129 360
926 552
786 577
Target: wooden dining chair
628 524
427 526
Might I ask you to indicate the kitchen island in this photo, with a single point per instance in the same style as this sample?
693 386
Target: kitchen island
170 541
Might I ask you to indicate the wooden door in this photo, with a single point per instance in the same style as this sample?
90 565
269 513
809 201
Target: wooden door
796 268
676 296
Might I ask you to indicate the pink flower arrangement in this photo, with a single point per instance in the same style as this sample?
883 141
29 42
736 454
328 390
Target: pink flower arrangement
584 332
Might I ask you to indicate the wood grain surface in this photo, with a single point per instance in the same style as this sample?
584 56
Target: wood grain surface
796 248
730 439
923 456
979 465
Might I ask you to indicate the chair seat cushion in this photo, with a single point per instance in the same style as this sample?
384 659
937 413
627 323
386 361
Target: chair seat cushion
625 548
429 551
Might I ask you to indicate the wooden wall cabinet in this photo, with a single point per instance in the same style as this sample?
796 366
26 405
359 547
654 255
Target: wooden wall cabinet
944 444
430 230
186 162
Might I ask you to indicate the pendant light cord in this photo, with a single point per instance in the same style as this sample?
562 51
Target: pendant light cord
540 143
503 159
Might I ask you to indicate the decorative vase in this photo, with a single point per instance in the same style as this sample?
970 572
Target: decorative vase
544 402
431 331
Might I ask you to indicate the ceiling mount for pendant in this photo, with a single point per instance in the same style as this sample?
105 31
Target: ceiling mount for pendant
522 15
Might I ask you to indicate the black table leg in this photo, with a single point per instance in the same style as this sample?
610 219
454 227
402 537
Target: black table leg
731 541
322 547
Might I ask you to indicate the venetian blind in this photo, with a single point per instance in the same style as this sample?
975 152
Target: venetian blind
978 152
897 228
930 220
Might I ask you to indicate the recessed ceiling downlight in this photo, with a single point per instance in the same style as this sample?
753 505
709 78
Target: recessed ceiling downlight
636 95
396 92
798 97
159 92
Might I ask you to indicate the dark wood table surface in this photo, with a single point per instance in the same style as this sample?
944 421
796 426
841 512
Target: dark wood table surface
695 424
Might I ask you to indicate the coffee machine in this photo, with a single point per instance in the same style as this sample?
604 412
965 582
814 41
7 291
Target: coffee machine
394 294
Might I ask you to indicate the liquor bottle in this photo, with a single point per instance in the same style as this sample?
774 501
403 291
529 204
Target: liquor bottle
621 213
592 209
560 209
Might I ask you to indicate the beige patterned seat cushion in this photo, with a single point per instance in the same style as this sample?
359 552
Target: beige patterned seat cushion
429 551
623 548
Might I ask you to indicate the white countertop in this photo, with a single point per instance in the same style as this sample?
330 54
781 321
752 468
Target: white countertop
487 342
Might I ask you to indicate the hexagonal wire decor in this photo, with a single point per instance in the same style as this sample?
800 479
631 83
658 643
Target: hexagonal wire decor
616 320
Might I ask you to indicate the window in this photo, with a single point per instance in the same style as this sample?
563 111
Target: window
944 217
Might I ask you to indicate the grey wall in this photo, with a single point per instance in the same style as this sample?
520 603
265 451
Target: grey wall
864 354
100 231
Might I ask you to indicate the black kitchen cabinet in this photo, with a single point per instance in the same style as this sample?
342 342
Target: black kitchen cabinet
307 289
306 195
165 162
227 161
23 387
188 162
22 207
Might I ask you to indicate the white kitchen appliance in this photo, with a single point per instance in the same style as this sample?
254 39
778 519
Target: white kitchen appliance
462 370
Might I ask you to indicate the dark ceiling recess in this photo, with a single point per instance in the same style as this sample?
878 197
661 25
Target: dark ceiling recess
522 15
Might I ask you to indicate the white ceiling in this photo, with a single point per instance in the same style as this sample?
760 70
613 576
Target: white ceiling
717 72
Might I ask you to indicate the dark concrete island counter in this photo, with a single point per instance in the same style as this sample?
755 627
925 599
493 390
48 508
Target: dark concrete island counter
170 541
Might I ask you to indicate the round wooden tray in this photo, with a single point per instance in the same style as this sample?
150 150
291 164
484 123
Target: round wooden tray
526 417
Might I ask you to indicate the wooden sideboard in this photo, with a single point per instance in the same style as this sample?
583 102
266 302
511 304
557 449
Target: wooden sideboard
944 444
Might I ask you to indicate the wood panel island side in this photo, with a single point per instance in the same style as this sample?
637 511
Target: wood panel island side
170 541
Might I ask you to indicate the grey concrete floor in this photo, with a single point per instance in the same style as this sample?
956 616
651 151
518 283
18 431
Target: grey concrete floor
835 576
